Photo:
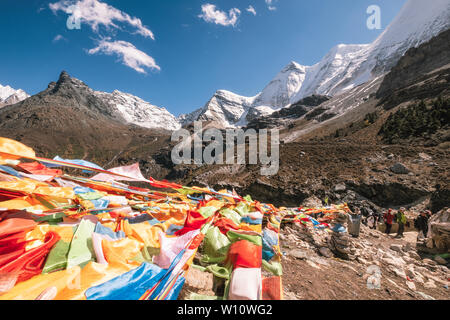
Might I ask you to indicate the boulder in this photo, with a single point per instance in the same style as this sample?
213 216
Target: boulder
442 243
341 187
445 270
298 254
429 243
431 268
430 284
396 285
397 262
200 280
410 272
398 272
312 202
425 156
436 279
407 247
362 260
319 260
419 279
414 255
429 262
324 251
421 269
408 259
396 247
375 235
440 260
411 285
399 168
439 231
425 296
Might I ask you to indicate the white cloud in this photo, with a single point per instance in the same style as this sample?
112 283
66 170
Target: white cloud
96 13
270 5
251 10
129 54
210 14
58 38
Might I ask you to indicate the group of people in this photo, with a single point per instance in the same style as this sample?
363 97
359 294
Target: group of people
420 223
391 216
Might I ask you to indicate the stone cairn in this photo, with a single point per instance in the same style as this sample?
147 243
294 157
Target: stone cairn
339 242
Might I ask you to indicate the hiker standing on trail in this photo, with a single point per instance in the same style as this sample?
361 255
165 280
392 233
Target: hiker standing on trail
372 220
429 215
377 217
388 218
421 224
369 221
401 220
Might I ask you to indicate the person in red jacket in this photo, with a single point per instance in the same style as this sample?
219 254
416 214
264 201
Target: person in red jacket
388 219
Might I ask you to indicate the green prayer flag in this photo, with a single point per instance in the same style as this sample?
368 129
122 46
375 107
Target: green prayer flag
236 236
57 258
81 249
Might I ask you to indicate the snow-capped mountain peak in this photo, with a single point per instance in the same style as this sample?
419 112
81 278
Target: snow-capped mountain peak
343 68
225 108
137 111
347 66
5 92
324 76
124 107
9 95
120 106
417 22
283 87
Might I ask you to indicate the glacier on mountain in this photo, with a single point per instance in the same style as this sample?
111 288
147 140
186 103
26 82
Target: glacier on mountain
345 67
9 95
139 112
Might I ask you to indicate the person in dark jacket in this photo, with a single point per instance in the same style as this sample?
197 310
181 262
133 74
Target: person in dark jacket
373 220
421 224
377 219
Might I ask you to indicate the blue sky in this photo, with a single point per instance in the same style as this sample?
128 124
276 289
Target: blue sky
190 57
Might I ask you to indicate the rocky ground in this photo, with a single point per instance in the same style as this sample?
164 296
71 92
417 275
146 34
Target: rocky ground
386 176
378 266
311 272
